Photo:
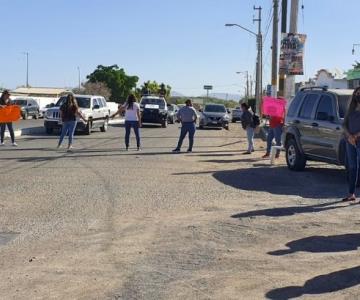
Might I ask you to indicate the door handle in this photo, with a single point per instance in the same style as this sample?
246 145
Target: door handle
315 124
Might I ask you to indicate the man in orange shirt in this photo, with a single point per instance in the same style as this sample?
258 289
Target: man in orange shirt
5 101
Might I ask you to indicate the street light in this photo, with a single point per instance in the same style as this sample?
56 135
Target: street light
247 83
27 68
353 49
258 86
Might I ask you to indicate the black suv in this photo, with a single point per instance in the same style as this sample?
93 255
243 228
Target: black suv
29 107
313 127
154 110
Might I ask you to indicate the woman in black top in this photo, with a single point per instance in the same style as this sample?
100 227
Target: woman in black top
352 135
4 101
69 110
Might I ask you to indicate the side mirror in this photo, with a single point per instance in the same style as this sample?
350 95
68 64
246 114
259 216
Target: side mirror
97 106
228 111
52 104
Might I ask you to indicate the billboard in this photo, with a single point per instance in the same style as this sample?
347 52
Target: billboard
292 54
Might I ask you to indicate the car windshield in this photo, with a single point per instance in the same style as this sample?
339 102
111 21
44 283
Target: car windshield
343 104
19 102
154 101
82 102
215 108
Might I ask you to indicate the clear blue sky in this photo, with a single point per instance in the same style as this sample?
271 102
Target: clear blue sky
180 42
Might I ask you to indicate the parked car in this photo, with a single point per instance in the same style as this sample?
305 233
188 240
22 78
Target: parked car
44 109
154 110
172 112
94 109
29 107
236 115
313 127
214 116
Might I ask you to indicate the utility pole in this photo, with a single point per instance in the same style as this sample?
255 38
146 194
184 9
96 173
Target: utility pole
251 87
258 86
290 80
79 78
284 5
275 38
27 68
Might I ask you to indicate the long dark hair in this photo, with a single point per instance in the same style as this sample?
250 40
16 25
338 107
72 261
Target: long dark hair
71 101
4 93
352 107
130 101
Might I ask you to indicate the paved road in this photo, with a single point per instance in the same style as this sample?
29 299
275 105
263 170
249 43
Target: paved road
102 223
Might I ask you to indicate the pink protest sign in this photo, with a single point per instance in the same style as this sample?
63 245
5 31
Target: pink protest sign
274 107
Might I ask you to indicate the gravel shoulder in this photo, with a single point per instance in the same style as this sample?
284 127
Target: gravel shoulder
102 223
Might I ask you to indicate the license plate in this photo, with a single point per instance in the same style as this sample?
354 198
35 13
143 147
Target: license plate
213 122
152 106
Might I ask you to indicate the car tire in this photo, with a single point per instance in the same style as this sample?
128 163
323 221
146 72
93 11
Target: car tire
233 121
104 128
164 124
49 130
88 127
25 115
295 160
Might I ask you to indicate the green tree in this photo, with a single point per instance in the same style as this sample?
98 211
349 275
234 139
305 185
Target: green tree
152 87
94 88
119 83
356 65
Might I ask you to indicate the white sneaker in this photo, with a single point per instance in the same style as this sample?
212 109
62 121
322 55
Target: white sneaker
2 144
14 144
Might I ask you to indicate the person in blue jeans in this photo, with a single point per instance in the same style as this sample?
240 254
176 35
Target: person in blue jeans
132 120
275 131
5 101
187 116
69 110
352 135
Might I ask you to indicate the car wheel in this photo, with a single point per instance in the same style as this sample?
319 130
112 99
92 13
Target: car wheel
105 126
295 160
233 121
164 124
49 130
25 115
88 128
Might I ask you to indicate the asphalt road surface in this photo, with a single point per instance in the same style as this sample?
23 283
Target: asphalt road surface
102 223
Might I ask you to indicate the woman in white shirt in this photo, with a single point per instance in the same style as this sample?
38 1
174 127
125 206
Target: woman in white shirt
132 119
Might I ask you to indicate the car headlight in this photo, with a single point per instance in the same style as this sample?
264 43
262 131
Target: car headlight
226 118
48 114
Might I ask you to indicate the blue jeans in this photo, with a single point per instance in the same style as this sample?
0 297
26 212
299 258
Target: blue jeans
11 131
353 160
68 128
187 128
128 126
274 133
250 137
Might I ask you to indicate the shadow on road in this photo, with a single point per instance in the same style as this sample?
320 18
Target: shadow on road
288 211
322 284
312 183
321 244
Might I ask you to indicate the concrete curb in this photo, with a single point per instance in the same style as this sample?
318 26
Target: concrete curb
41 130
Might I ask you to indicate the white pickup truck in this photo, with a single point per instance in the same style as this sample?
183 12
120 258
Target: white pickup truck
94 109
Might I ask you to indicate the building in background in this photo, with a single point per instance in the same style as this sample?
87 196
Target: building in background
333 79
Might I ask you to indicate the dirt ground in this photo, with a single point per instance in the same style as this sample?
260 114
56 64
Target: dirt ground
102 223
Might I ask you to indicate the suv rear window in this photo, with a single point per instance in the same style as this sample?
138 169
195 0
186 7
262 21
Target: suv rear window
294 105
325 108
155 101
308 106
343 102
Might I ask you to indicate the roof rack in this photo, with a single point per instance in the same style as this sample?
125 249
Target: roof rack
323 88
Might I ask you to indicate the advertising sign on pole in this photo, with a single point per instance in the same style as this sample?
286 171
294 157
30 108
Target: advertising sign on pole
292 54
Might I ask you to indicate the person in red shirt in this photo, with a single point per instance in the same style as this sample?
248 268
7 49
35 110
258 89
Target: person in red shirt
275 131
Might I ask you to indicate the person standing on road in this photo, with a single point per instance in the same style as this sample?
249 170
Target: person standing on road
247 122
187 116
69 110
132 120
352 135
275 131
5 101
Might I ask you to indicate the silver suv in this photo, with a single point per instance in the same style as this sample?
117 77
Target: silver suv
94 109
313 127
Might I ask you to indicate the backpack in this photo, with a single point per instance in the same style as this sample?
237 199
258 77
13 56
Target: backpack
256 120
